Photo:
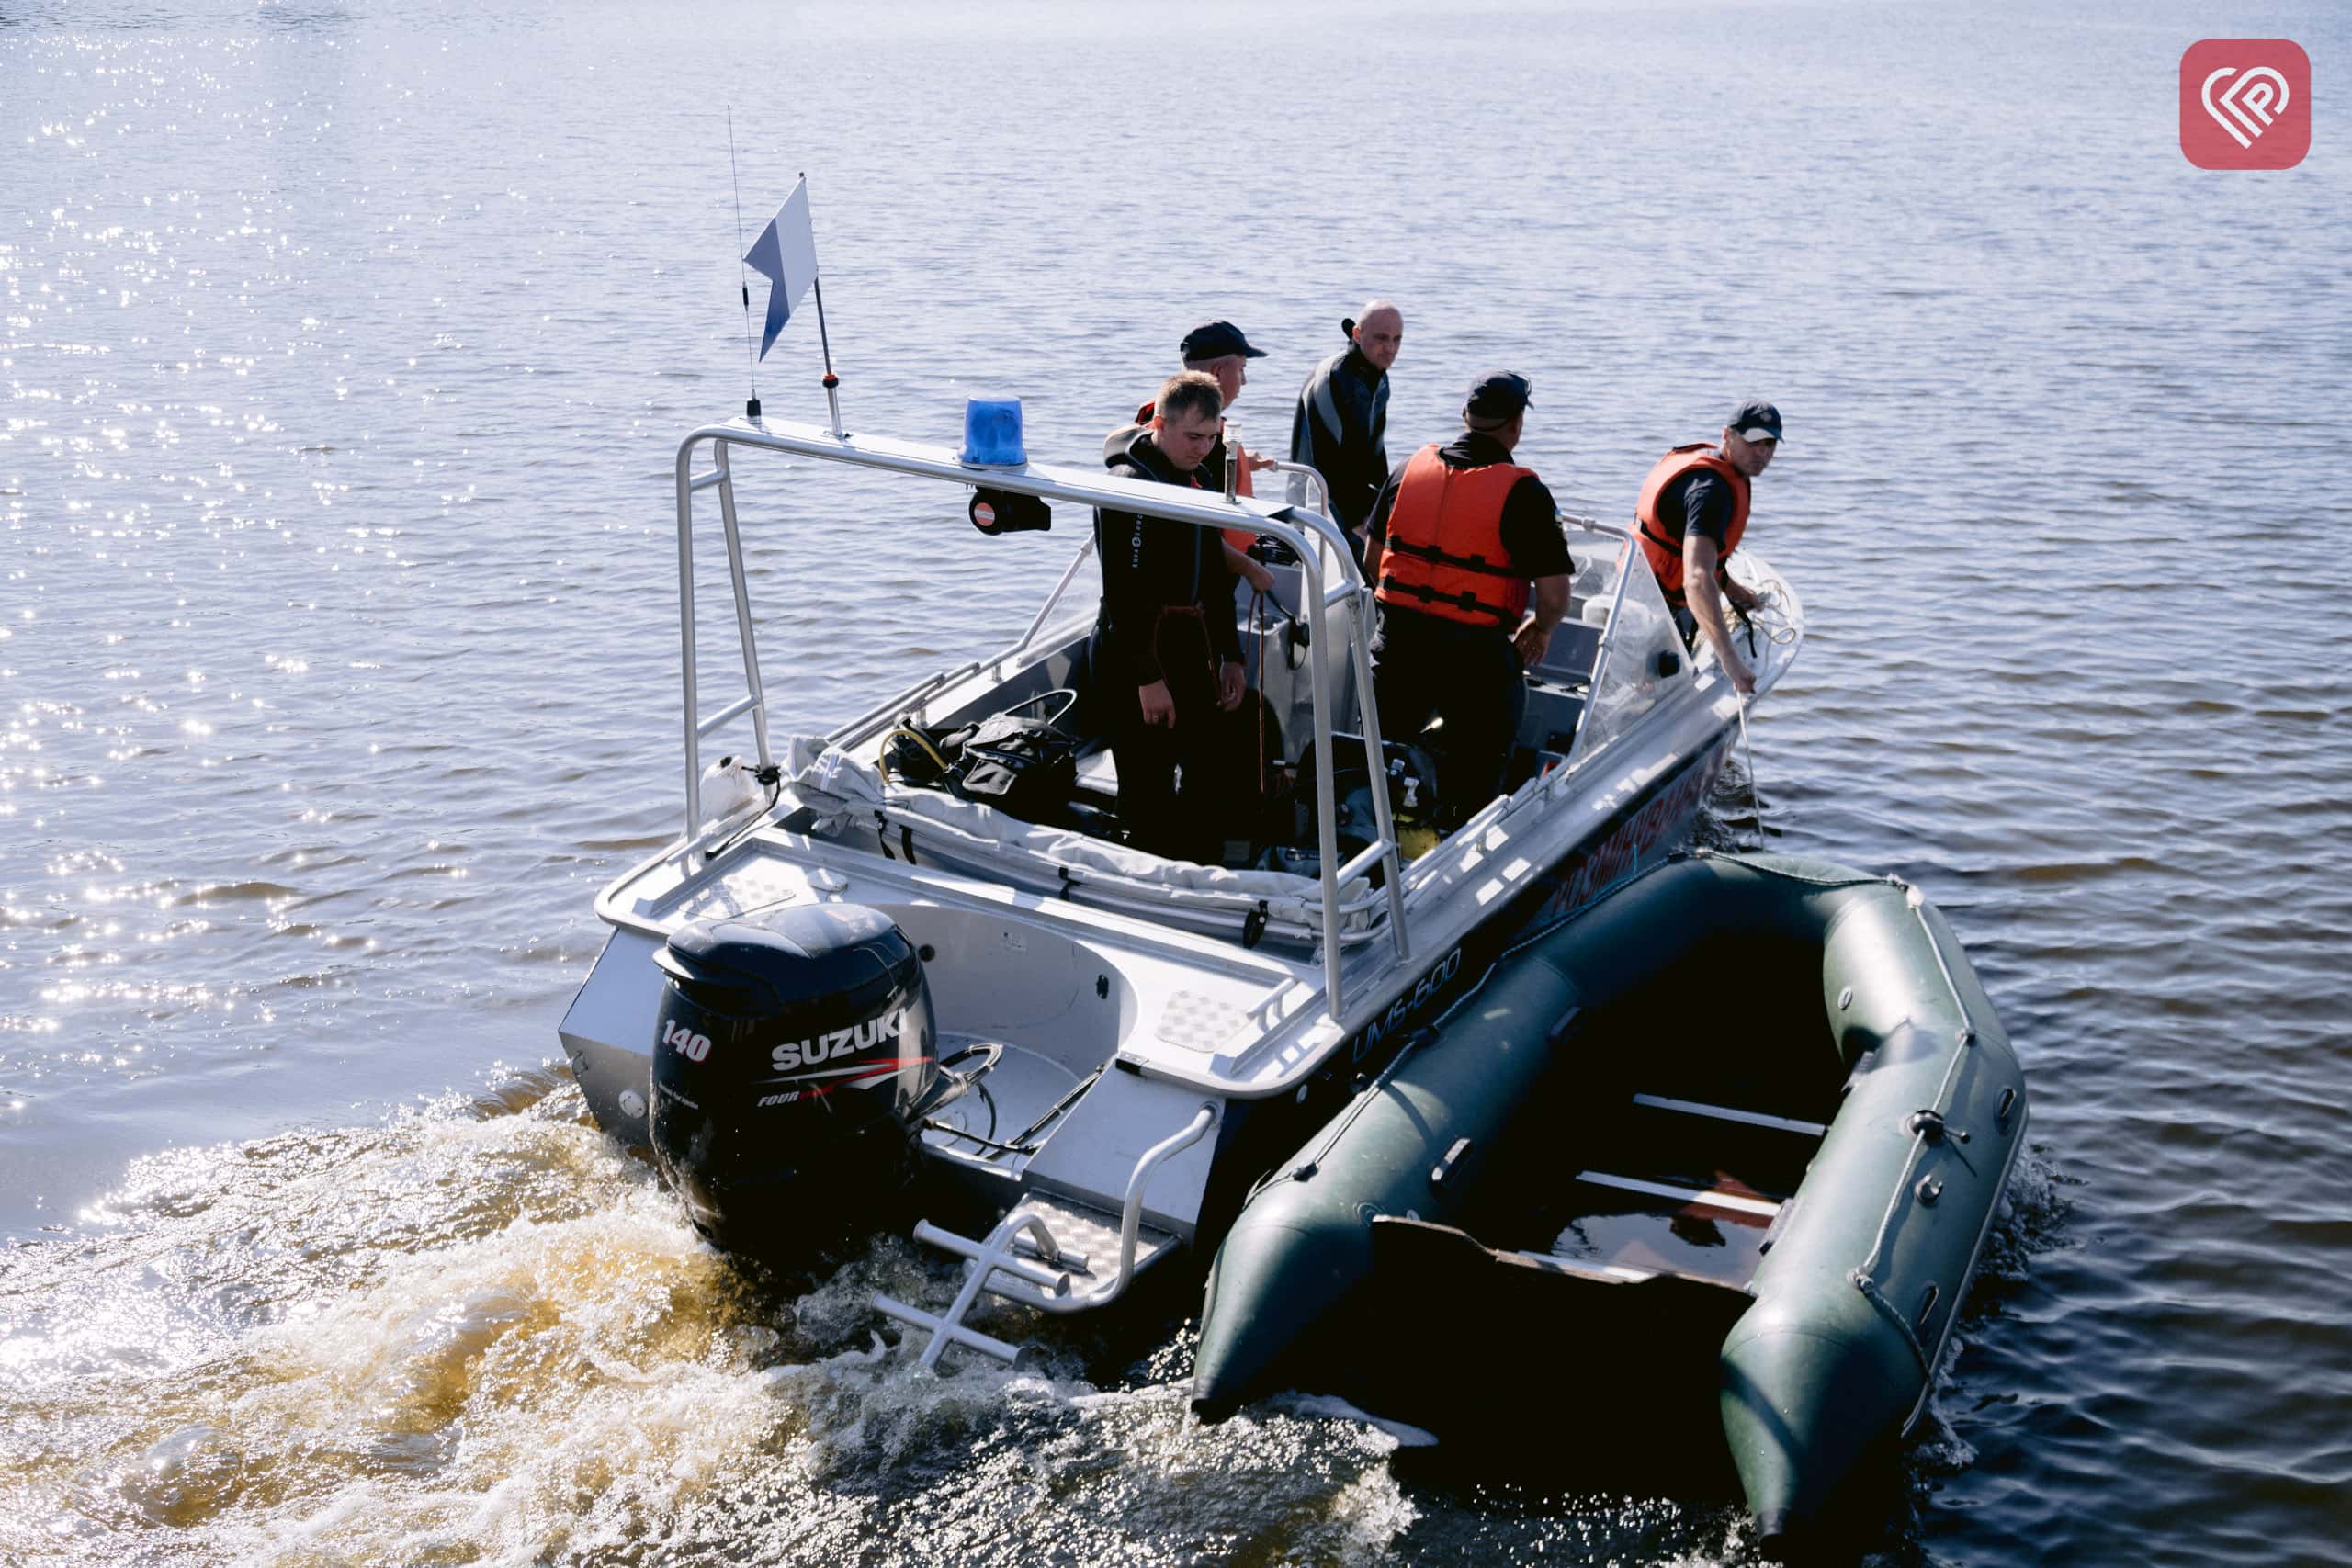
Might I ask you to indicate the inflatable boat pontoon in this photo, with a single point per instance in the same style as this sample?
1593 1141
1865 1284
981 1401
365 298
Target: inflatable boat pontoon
1714 1157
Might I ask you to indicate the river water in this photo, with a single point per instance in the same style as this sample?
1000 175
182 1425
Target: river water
345 348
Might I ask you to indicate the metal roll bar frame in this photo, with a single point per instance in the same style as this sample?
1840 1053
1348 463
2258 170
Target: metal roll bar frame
1306 532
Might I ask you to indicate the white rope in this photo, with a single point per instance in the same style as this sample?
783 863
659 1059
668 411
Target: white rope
1748 756
1770 617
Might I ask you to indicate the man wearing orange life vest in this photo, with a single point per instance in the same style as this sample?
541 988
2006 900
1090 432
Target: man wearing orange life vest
1459 533
1691 512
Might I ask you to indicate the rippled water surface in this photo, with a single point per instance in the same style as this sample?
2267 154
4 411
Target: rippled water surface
343 353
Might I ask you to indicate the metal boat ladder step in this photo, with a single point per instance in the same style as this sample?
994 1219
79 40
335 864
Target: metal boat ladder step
1049 1252
1052 1252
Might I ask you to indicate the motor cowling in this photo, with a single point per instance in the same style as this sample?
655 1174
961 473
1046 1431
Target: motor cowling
795 1055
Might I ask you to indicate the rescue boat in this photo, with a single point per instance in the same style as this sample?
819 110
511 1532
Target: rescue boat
1716 1156
913 966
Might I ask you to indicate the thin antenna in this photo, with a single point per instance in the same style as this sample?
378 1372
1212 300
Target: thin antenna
832 382
752 407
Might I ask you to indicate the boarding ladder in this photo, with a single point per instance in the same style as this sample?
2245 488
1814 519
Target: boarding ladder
1051 1253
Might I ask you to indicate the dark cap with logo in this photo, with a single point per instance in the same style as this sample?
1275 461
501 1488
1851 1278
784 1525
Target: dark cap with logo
1214 340
1755 420
1498 394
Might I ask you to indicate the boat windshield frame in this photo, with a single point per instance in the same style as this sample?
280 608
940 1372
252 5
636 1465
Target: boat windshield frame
1319 543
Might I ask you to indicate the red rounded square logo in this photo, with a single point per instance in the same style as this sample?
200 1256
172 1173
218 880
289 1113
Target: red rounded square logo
2245 102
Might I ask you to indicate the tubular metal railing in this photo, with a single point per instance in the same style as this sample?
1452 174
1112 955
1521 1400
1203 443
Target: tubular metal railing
1319 544
1318 491
1046 610
754 699
1610 635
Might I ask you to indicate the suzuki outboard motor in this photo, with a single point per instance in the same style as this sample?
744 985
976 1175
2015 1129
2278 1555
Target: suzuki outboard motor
795 1059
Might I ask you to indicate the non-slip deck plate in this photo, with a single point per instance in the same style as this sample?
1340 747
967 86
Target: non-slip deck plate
1093 1234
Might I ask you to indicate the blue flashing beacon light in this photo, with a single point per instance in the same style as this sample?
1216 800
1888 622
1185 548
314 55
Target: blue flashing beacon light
992 433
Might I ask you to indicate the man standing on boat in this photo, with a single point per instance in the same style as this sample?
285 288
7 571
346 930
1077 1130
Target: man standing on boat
1458 533
1165 657
1693 509
1216 349
1340 427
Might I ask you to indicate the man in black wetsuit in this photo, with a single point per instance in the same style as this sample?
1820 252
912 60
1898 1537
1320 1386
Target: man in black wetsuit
1165 657
1340 426
1459 534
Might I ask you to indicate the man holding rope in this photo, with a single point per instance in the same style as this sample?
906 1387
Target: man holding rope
1691 512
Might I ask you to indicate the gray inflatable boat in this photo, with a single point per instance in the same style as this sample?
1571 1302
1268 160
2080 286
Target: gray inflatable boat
1700 1175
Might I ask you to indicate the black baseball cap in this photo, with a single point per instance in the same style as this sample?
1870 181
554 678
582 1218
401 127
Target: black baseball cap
1755 420
1498 394
1214 340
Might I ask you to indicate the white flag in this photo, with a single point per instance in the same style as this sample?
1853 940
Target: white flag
786 254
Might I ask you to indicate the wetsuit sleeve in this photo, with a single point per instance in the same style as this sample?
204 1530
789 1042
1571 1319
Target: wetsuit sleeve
1130 607
1532 530
1302 427
1216 598
1359 464
1706 507
1314 439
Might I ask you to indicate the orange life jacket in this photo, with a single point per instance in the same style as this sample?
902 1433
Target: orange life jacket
1665 549
1239 538
1443 552
1242 538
